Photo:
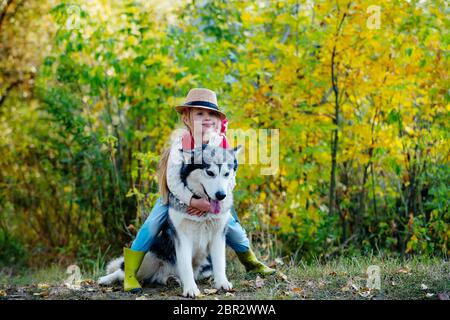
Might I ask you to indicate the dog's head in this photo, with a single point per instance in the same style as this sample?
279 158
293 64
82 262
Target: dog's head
208 171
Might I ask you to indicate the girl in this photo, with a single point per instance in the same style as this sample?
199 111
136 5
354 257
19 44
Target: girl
206 123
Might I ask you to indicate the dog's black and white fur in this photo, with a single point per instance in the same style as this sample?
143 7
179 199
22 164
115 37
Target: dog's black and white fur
182 248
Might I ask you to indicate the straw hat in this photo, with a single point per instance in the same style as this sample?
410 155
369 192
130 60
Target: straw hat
201 98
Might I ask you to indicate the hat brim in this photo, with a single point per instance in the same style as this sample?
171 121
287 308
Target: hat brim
180 109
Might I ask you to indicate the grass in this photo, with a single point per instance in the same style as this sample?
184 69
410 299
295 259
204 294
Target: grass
340 278
346 278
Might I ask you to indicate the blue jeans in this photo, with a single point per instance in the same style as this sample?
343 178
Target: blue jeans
236 237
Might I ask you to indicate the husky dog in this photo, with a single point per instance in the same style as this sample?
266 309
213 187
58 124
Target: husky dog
188 244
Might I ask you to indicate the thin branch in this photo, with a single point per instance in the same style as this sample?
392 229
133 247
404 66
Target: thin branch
5 10
3 13
11 86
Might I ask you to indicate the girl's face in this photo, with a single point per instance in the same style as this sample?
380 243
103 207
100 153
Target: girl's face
209 119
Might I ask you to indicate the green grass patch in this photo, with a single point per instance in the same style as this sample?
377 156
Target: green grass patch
340 278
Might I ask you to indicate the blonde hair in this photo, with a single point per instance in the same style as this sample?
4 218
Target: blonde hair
187 121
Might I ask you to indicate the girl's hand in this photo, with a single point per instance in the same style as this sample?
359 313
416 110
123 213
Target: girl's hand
195 212
200 204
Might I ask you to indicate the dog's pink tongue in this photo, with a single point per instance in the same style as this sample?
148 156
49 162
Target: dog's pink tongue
215 206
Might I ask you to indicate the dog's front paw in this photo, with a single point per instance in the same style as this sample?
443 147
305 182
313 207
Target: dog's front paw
191 292
223 284
103 281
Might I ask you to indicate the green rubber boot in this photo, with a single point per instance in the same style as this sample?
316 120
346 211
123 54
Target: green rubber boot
132 261
253 265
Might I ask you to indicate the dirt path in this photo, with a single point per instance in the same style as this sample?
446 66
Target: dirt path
89 290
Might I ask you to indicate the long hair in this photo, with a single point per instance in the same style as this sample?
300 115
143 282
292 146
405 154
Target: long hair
188 123
162 176
186 119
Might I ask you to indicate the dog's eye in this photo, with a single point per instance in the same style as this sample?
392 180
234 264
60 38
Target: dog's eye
227 174
210 173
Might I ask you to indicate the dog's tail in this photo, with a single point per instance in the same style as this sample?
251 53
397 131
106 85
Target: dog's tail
114 272
115 265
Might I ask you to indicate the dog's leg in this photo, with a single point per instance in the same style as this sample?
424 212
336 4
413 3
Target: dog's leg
218 262
183 249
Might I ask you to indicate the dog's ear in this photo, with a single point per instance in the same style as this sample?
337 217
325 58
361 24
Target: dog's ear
187 155
237 150
235 153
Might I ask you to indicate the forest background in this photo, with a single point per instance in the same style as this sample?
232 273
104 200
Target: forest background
358 91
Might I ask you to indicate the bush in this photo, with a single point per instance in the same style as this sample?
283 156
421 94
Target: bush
12 252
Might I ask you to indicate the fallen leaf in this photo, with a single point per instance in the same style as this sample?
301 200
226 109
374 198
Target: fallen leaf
210 291
365 293
245 283
280 275
430 295
43 286
2 293
75 287
259 282
424 286
41 294
345 289
229 294
144 297
279 261
296 290
87 282
405 270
